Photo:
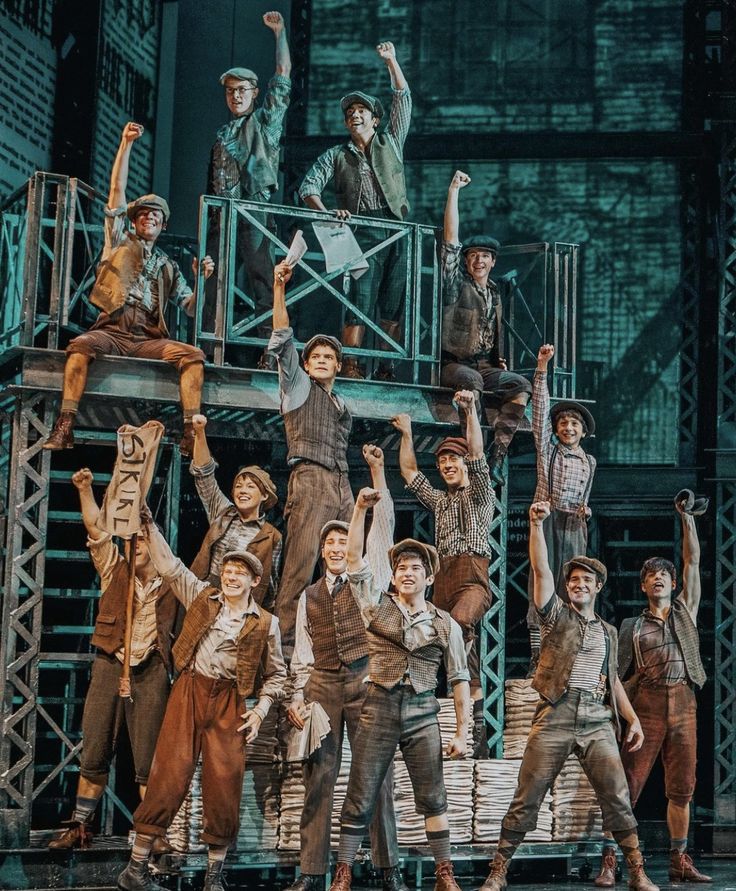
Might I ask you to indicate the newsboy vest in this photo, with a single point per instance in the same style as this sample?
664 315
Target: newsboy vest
388 168
318 431
338 632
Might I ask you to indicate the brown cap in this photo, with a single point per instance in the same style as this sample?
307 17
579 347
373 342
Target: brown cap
264 482
455 444
589 563
155 201
428 552
250 560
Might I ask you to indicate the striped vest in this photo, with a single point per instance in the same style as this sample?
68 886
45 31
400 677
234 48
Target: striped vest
318 431
338 632
390 660
251 642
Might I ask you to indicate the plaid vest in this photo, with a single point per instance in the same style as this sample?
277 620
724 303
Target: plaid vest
685 633
388 168
109 633
251 642
391 661
318 431
338 632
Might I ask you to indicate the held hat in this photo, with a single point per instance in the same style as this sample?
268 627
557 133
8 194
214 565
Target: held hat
570 405
589 563
250 560
264 482
696 507
372 103
329 526
154 201
482 242
325 340
428 552
239 74
455 444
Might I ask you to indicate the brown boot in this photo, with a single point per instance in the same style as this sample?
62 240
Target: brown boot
606 878
186 445
638 879
352 336
445 876
682 869
76 836
496 880
343 878
62 436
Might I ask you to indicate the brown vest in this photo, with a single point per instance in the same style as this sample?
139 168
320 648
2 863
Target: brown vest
251 641
109 633
261 546
559 651
390 660
318 431
116 275
338 632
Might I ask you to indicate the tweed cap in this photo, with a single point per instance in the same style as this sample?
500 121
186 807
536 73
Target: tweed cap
329 526
570 405
325 340
372 103
482 242
154 201
264 482
428 552
239 74
250 560
589 563
455 444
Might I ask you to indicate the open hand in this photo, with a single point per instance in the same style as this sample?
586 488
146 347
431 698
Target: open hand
208 266
635 737
296 713
251 725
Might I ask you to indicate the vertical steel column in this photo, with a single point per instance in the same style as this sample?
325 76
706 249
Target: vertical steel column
493 633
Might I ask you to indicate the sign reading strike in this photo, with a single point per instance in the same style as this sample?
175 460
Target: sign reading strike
131 479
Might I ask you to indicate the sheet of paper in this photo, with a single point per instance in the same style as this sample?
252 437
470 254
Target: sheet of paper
303 742
297 249
340 247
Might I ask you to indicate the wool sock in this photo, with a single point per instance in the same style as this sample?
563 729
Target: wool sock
142 847
71 405
83 809
439 843
508 843
350 840
678 844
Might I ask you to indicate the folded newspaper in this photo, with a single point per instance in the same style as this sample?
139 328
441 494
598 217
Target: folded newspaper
340 247
303 742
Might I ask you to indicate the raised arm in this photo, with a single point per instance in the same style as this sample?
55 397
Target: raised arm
356 532
275 21
407 456
381 535
83 480
184 583
119 175
544 582
691 588
201 455
451 232
281 275
387 51
541 424
465 401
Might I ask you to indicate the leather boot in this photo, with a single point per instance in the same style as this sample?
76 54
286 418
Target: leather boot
496 879
62 436
213 878
606 878
352 336
76 836
682 869
392 880
186 444
307 882
343 878
638 879
137 877
495 463
445 877
386 370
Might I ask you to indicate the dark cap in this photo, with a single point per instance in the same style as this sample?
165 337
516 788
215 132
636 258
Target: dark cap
239 74
589 563
482 242
570 405
455 444
372 103
428 552
148 201
264 482
250 560
329 526
325 340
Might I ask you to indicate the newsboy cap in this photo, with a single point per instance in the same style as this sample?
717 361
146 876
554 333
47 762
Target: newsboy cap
570 405
583 562
455 444
250 560
239 74
325 340
329 526
264 482
155 201
482 242
372 103
428 552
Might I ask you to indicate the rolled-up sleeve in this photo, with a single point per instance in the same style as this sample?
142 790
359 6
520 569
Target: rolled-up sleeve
456 660
273 110
421 488
367 594
274 671
293 379
319 174
452 272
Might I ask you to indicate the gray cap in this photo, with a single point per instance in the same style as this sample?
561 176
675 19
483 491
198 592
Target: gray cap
329 526
326 340
239 74
583 562
250 560
483 243
372 103
155 201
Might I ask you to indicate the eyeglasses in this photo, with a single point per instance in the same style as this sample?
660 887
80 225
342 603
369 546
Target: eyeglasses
239 91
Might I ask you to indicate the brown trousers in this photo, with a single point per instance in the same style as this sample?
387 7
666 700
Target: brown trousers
203 715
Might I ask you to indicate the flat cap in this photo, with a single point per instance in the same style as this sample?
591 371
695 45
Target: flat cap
455 444
324 340
482 242
155 201
250 560
264 482
428 552
372 103
329 526
570 405
583 562
239 74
